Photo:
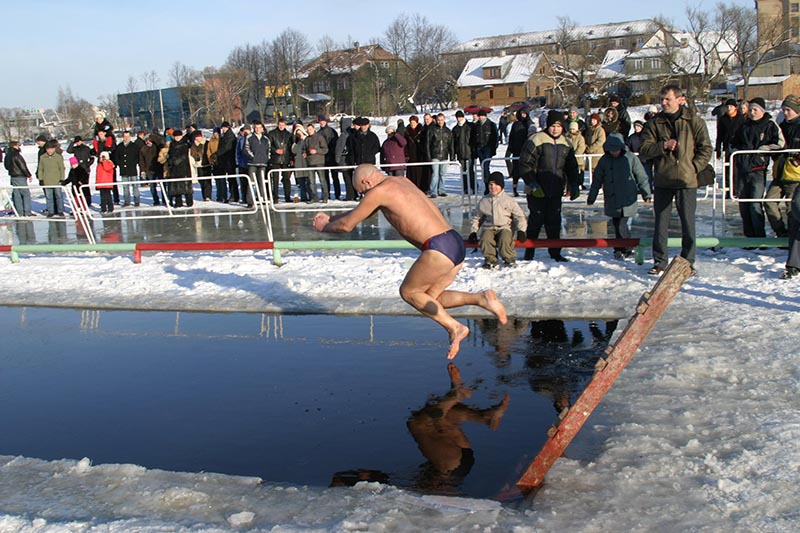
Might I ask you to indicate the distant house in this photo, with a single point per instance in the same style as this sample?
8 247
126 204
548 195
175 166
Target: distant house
356 80
506 79
679 58
770 87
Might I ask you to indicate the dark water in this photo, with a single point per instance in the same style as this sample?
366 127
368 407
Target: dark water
302 399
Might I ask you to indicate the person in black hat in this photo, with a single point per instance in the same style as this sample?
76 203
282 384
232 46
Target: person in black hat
759 132
82 152
495 215
728 124
549 168
486 140
786 169
463 151
331 176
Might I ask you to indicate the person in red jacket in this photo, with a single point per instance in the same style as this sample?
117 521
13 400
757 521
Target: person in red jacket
104 182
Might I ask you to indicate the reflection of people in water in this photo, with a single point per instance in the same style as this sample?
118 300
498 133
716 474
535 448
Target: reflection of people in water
348 478
502 336
560 363
437 430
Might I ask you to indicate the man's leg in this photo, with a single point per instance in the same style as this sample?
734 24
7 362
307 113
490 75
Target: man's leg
662 208
424 288
535 221
686 203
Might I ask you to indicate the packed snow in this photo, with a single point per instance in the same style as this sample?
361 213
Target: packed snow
700 432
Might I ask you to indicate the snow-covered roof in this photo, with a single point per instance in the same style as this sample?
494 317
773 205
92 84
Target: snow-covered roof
347 60
513 69
613 64
763 80
534 38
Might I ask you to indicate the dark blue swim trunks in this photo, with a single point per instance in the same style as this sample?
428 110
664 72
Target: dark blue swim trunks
450 243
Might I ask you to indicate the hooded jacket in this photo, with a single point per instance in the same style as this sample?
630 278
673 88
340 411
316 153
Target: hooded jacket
622 179
498 212
676 169
548 163
762 134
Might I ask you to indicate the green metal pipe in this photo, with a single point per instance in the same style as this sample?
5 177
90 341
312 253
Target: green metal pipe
714 242
343 245
111 247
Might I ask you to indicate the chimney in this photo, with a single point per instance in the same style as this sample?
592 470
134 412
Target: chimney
357 46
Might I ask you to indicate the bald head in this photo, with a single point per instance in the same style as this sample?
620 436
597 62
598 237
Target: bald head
366 176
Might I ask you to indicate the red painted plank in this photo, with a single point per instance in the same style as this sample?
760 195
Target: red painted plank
651 307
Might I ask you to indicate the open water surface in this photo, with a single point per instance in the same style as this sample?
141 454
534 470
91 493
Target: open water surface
300 399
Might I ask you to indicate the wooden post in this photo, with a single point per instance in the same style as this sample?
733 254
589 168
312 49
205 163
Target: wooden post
650 308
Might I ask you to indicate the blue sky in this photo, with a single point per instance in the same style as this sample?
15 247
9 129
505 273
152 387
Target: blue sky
93 48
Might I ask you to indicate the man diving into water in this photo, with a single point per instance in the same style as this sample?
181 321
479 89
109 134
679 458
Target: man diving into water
421 223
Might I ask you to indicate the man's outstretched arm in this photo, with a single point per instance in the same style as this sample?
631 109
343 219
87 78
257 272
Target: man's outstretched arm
345 222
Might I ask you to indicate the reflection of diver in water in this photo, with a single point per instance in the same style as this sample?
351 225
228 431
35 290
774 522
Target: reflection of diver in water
502 336
559 364
437 430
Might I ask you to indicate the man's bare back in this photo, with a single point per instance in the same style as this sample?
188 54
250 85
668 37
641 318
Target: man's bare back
418 220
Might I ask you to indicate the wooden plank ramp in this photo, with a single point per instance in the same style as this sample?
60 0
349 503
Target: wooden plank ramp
650 308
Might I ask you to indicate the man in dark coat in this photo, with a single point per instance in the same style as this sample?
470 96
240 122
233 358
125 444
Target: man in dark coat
363 145
280 157
330 136
485 132
464 151
256 149
623 116
126 158
178 165
82 152
759 132
440 148
516 140
226 161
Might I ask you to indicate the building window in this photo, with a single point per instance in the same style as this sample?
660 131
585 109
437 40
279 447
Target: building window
491 94
794 8
655 64
638 64
385 64
511 92
472 94
491 73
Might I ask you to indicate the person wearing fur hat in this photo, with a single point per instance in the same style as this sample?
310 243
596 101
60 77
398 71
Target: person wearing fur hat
623 116
622 177
595 137
549 168
495 216
759 132
334 185
785 169
463 151
485 135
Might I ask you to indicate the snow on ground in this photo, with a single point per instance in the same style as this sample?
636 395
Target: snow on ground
700 432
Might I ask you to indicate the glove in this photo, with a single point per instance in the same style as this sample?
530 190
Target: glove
574 192
473 237
522 236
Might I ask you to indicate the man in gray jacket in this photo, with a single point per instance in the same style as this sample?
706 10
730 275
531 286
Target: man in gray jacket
495 214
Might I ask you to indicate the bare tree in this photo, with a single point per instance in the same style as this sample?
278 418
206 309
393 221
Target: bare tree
576 64
420 43
130 88
152 99
188 82
227 84
289 52
75 114
253 60
749 46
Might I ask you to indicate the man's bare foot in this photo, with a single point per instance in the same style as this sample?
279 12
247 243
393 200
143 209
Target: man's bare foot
495 306
456 337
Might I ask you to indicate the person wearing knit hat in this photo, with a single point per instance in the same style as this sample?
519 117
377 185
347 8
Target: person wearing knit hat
786 178
622 177
759 132
302 178
77 177
549 167
499 218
